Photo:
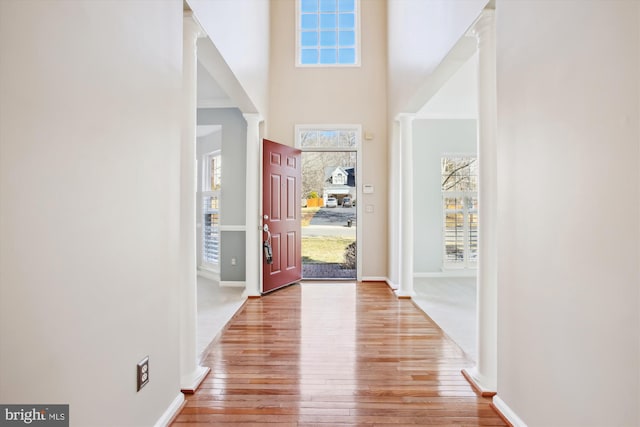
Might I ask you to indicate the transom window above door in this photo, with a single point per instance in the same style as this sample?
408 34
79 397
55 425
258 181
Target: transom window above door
327 137
327 33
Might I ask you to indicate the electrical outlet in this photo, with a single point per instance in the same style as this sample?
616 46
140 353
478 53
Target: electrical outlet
143 372
234 261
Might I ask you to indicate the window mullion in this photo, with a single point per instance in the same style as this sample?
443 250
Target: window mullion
343 19
465 228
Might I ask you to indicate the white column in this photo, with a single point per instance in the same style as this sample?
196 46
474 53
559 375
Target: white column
253 233
191 375
394 207
484 375
405 289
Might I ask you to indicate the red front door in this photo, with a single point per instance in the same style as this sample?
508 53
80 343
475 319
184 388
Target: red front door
281 191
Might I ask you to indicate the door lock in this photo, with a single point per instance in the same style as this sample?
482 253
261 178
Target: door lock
268 255
266 245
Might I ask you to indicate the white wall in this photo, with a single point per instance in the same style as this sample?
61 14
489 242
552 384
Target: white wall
348 95
89 152
435 27
432 139
458 97
234 149
568 81
232 194
239 29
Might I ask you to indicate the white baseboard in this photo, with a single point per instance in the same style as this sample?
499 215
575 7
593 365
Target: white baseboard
374 279
507 412
232 284
392 285
171 411
448 273
380 279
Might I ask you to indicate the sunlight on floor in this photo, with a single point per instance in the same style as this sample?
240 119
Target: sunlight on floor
216 306
451 303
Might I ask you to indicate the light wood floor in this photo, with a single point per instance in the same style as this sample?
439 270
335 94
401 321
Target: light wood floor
335 354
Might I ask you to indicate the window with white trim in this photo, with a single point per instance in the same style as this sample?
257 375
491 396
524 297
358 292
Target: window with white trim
327 33
460 211
211 186
330 158
331 138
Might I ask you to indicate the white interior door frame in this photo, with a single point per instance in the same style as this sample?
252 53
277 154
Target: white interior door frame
358 150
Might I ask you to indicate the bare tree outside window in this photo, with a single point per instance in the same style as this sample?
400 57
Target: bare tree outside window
459 174
319 138
314 164
459 183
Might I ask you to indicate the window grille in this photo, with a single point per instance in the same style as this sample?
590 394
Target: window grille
211 186
459 182
328 33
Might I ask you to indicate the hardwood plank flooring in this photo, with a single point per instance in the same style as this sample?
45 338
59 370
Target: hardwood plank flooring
335 354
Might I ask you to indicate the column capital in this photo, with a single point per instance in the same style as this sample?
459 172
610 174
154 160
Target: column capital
484 23
406 117
253 117
191 25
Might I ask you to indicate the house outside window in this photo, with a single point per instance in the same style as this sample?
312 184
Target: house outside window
339 177
328 33
460 211
211 186
339 182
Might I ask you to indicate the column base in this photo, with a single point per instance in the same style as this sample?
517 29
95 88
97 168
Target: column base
190 383
404 294
392 285
479 383
250 294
